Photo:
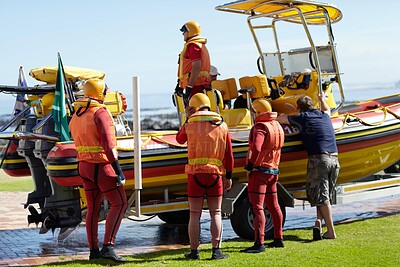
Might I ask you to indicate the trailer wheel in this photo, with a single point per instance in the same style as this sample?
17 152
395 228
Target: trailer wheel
395 168
242 220
175 217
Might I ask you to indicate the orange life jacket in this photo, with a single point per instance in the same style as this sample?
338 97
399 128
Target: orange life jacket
270 153
84 132
185 64
206 142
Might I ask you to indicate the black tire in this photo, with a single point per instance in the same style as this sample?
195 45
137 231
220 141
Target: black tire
395 168
242 220
175 217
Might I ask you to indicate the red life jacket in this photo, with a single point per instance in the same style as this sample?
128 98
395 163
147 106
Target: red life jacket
85 134
185 64
270 153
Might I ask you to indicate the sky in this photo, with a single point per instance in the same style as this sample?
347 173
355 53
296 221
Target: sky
126 38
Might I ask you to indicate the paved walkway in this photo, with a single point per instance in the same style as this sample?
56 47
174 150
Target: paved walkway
21 245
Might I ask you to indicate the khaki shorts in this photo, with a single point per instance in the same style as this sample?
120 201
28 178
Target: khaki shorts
322 173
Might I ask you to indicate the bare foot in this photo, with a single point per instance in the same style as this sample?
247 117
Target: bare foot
328 236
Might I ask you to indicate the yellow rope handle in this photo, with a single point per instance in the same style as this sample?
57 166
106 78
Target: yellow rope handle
344 123
385 111
393 113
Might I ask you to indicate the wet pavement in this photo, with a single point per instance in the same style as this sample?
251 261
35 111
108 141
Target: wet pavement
21 245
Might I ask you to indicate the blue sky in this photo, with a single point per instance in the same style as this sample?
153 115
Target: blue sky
141 38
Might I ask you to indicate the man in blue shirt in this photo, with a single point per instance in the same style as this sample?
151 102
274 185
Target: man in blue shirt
318 137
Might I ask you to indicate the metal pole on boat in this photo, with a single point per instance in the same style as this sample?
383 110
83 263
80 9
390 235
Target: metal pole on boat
137 141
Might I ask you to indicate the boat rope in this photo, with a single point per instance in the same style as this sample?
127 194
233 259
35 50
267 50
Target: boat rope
385 111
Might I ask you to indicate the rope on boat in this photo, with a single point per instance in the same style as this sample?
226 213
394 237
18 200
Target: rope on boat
385 111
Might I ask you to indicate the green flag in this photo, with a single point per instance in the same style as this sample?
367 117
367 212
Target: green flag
59 111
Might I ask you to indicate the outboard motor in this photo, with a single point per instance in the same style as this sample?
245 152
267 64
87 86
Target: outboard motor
62 208
36 166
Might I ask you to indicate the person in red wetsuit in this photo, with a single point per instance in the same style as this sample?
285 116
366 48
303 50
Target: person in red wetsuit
92 129
265 141
209 155
194 63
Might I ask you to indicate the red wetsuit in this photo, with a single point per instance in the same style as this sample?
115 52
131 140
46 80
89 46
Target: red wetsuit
100 178
209 152
265 142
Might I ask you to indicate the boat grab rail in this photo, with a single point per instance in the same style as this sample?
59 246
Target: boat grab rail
385 111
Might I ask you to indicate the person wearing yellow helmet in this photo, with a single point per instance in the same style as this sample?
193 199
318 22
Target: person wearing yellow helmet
92 129
194 63
266 139
209 157
95 89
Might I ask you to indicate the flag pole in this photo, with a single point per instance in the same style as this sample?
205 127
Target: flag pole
67 90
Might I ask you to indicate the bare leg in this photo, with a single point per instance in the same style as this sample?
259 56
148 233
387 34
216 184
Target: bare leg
326 213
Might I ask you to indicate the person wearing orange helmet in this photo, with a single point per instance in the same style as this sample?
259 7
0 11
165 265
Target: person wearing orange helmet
266 139
194 63
92 129
209 157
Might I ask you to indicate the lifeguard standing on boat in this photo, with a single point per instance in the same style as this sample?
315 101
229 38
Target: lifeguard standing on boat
92 129
194 63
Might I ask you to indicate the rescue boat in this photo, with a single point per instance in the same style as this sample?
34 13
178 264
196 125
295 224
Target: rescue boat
367 132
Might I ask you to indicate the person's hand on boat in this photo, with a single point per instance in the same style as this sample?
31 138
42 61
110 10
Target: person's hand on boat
190 111
322 97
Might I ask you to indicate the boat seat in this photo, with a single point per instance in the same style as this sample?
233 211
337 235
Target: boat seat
257 86
180 108
216 100
227 90
287 103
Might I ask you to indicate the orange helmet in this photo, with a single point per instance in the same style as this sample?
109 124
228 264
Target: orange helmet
199 101
192 28
95 88
261 105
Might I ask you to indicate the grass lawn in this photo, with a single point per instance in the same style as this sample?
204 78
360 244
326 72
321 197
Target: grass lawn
371 242
15 184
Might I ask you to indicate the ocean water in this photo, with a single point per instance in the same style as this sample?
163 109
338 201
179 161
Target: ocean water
160 103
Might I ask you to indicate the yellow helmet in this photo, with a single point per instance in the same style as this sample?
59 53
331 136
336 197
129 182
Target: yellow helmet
261 105
192 28
47 102
95 88
199 101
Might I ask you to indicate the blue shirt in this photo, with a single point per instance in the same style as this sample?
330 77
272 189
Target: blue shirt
316 131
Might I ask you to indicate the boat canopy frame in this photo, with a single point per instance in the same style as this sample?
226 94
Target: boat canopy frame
322 59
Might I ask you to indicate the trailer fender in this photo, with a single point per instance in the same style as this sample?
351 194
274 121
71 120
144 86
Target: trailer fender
232 196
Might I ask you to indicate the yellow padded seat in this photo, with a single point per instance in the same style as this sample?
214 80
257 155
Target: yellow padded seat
236 117
216 101
227 87
258 82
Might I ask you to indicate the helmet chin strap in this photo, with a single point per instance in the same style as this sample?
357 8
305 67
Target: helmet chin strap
79 112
